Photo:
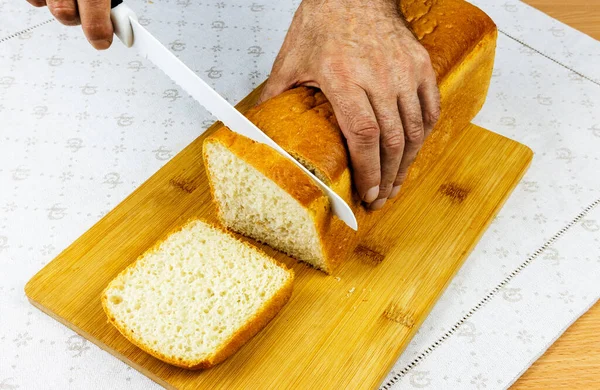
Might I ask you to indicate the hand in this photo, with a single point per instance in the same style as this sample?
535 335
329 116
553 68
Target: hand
378 78
93 15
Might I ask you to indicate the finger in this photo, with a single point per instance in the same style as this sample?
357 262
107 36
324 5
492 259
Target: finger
357 120
65 11
273 87
429 96
279 81
391 142
414 134
37 3
95 20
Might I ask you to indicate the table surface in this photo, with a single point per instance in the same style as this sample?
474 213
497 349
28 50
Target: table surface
573 361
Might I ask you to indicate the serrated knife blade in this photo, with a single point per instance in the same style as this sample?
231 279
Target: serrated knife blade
132 34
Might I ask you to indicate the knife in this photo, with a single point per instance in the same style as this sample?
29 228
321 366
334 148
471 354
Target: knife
132 34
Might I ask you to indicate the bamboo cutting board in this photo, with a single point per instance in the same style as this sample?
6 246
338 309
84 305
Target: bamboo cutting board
340 331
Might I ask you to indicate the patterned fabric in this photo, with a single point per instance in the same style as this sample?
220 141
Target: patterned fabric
80 130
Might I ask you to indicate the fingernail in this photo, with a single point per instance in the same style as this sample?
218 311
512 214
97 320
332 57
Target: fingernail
394 192
378 204
371 194
101 44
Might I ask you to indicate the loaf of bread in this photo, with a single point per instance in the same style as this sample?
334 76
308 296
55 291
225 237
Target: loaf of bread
262 195
196 297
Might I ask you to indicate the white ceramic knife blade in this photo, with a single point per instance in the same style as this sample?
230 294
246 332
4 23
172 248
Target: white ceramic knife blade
138 37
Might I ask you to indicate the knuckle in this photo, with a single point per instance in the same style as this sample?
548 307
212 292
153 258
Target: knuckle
65 15
430 74
419 55
364 130
414 129
416 137
423 57
393 141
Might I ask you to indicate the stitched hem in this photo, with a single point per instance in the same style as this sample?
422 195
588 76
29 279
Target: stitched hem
488 297
14 35
550 58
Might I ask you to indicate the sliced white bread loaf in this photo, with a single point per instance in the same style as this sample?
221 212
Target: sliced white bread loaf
252 203
196 297
262 195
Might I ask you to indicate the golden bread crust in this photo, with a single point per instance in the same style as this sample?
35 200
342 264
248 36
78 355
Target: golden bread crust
302 122
268 311
265 314
270 163
448 29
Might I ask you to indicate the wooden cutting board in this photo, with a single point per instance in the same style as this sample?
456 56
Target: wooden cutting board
343 331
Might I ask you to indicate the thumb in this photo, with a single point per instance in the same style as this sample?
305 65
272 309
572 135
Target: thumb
274 86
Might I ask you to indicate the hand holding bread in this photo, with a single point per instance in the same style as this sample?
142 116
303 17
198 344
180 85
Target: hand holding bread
378 78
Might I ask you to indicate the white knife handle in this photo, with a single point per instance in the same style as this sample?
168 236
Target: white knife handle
120 15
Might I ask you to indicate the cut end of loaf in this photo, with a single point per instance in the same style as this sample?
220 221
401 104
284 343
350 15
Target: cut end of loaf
252 204
197 296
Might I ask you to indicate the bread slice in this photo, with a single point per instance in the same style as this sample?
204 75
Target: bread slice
196 297
262 195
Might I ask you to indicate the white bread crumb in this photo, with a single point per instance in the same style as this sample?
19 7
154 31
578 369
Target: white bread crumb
253 205
185 299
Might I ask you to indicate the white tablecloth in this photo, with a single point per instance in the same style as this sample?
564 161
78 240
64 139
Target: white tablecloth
80 130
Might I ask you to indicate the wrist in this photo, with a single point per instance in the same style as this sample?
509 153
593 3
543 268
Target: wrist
379 8
372 4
